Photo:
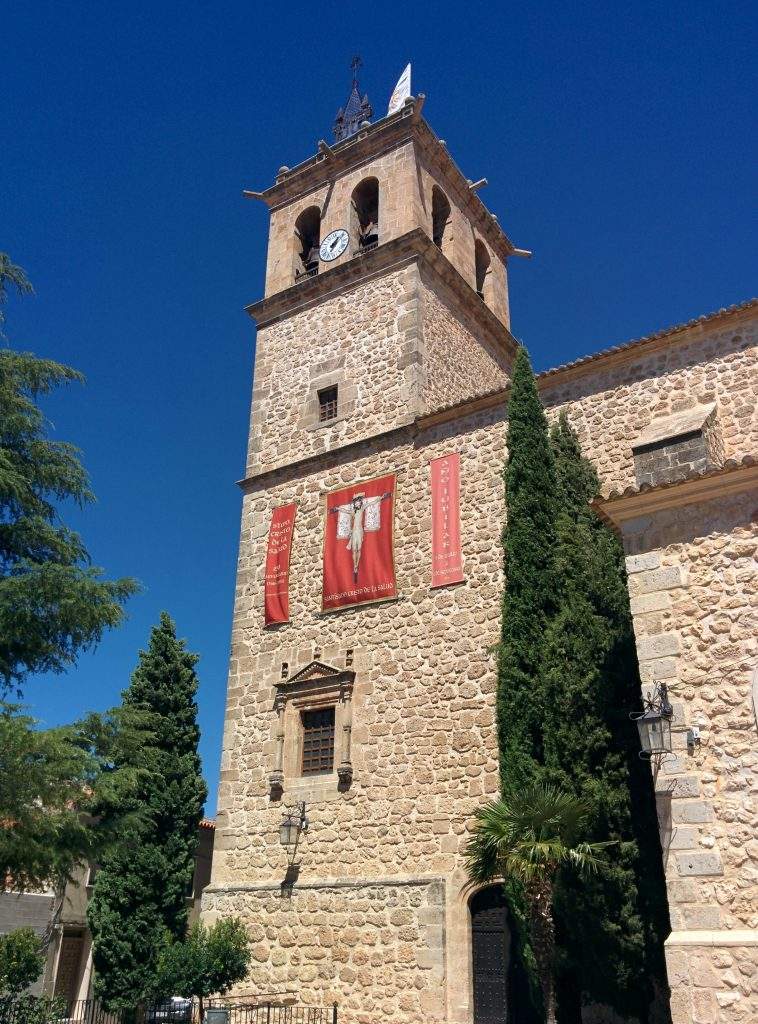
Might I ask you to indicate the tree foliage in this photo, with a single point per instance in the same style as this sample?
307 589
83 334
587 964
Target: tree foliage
527 837
53 602
11 276
567 678
21 961
50 781
528 599
140 891
591 680
207 962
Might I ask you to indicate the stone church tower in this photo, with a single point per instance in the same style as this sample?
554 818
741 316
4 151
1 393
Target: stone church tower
383 342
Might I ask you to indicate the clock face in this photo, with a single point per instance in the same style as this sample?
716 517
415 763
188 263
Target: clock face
333 245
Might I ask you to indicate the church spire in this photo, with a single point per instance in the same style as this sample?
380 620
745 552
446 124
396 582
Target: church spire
357 109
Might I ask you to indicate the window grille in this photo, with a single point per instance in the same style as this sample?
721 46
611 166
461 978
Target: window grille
327 404
318 741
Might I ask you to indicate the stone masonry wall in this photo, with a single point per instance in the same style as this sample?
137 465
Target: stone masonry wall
424 745
372 946
692 581
610 405
360 339
423 740
458 363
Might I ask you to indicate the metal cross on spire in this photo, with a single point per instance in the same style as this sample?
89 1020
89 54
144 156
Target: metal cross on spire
357 109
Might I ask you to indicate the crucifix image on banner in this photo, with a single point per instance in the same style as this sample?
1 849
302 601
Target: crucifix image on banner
359 544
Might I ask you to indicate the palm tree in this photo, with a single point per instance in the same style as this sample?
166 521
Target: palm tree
528 836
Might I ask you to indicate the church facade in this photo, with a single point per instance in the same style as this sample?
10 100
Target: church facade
384 344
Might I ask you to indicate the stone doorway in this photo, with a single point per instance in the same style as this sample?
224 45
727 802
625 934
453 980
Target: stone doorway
491 953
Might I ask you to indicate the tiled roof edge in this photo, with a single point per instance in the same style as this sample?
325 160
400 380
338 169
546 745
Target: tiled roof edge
666 332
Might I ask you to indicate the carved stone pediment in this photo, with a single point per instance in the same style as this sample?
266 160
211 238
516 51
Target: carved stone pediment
314 677
315 670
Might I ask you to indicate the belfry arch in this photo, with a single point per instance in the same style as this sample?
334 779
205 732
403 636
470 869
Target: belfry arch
307 241
364 214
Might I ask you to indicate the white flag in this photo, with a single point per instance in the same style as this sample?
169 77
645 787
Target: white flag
401 93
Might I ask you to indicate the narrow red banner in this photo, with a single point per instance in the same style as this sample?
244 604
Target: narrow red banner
447 559
359 563
276 586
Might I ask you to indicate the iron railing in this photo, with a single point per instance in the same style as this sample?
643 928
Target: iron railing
34 1010
272 1013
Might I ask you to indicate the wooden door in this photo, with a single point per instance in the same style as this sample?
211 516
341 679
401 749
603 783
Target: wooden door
69 967
491 945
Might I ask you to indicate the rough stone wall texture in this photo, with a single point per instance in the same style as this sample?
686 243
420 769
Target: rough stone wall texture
610 405
665 463
715 982
367 335
695 601
458 363
373 947
423 741
424 746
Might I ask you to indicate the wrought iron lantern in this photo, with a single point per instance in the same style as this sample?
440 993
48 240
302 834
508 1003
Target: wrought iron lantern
654 723
292 826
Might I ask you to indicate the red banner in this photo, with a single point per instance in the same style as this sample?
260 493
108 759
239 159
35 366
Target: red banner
359 562
276 586
447 559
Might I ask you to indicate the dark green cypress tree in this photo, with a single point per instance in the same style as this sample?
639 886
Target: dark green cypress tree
529 595
140 892
610 927
527 607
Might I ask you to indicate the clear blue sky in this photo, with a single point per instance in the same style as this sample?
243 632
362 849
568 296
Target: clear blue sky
618 139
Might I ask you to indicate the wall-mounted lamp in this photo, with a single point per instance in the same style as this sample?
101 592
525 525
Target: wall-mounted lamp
292 826
654 723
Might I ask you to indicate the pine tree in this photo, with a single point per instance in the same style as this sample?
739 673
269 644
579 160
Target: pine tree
611 927
53 603
528 599
140 892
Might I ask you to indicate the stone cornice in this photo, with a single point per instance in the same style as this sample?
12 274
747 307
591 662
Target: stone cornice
722 937
329 883
731 479
398 252
407 125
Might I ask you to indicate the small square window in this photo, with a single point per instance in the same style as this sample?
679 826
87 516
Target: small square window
327 404
318 741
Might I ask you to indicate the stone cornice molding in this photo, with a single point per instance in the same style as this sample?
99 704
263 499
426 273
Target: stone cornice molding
411 247
330 883
722 937
731 479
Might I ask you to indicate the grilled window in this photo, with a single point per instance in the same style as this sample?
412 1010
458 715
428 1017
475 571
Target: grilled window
327 404
318 742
